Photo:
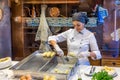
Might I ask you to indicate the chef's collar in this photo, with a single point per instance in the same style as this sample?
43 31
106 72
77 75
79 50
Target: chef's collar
81 32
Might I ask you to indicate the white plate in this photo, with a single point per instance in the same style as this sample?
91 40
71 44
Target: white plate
113 73
6 63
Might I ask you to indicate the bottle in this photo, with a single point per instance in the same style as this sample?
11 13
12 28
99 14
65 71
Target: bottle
33 15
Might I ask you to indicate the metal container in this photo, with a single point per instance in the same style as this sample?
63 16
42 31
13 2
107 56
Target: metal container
35 63
35 75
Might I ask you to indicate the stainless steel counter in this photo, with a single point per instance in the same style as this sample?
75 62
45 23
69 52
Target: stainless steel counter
36 64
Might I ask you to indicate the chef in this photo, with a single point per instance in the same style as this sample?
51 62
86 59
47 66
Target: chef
81 43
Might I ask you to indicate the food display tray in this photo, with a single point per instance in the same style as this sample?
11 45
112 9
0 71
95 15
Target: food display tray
34 62
38 64
35 75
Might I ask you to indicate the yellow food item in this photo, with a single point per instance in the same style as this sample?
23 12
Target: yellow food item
52 54
57 71
52 78
44 54
4 59
66 71
22 77
46 77
26 77
70 67
48 54
72 54
108 69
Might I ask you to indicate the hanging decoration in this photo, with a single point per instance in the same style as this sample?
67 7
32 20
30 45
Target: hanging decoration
101 13
43 31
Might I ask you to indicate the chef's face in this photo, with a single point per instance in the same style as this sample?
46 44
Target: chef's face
78 25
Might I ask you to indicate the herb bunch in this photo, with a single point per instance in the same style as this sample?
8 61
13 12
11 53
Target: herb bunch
102 75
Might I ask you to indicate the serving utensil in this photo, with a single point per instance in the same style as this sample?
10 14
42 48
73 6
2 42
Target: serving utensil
67 59
92 70
63 60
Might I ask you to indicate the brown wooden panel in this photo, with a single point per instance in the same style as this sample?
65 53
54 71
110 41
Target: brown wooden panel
51 1
110 62
95 62
17 31
108 59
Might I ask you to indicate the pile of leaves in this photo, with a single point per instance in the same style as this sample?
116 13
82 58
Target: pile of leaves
102 75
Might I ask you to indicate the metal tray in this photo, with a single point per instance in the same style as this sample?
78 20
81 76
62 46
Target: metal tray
35 75
34 62
62 69
57 63
38 64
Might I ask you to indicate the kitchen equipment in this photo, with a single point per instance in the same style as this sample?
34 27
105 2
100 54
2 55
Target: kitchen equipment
38 64
35 76
66 58
63 60
62 57
34 62
91 71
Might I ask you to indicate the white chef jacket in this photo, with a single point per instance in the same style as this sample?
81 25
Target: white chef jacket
78 42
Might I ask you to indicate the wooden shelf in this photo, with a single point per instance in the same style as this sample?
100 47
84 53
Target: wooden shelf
32 47
35 27
52 2
30 32
110 61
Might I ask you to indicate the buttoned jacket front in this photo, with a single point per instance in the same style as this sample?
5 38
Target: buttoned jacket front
78 42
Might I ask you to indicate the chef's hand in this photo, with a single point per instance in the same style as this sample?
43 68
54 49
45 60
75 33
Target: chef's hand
84 54
59 50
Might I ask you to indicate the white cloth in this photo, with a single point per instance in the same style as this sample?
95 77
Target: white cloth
43 30
78 42
116 35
